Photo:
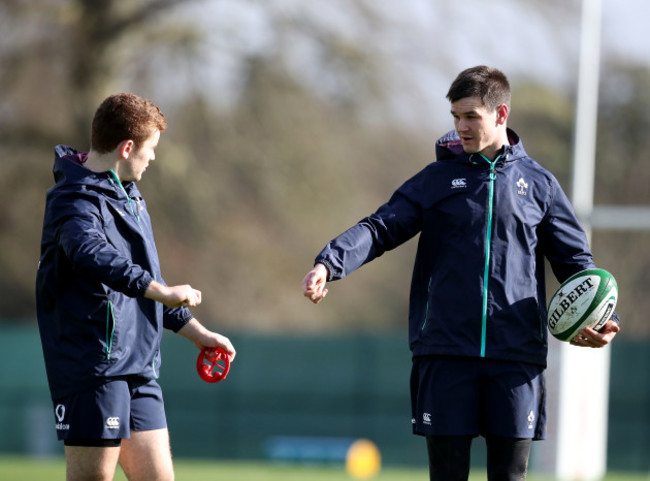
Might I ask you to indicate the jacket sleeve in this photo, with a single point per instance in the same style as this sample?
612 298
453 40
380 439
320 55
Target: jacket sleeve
391 225
175 318
564 241
82 239
562 238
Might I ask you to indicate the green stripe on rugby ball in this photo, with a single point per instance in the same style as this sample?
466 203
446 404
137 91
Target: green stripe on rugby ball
604 298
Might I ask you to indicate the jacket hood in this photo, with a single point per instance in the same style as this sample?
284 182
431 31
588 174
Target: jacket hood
67 170
449 148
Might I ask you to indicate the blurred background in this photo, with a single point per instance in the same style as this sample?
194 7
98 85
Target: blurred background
289 121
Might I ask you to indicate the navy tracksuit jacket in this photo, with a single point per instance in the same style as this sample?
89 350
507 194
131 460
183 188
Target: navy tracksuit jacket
478 286
98 257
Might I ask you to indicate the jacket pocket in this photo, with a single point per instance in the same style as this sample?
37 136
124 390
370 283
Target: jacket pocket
110 328
427 306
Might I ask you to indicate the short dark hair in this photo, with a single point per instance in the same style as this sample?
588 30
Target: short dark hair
124 116
488 83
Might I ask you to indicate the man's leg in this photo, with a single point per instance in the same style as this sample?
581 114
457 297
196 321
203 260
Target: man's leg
449 457
507 458
146 456
86 463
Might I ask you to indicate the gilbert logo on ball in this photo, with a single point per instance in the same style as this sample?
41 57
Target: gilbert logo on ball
586 299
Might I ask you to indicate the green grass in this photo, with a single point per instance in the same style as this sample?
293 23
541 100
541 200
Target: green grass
30 469
27 469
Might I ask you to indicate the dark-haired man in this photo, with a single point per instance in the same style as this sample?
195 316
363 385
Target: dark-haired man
487 215
102 302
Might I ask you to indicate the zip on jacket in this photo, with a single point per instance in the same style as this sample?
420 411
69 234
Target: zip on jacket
488 250
116 180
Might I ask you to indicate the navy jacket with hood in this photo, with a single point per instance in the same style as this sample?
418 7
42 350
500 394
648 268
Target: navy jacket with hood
97 259
478 285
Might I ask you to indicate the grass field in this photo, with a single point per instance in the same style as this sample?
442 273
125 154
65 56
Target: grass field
28 469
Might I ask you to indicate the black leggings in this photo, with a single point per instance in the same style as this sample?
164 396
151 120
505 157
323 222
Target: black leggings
449 456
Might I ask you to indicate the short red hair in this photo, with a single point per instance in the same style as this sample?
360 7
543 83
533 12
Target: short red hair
121 117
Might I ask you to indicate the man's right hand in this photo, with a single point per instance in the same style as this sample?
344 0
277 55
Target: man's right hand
313 284
173 296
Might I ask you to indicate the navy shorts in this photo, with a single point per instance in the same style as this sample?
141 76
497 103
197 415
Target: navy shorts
458 396
110 411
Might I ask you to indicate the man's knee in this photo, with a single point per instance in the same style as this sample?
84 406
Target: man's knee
507 458
449 457
84 463
146 456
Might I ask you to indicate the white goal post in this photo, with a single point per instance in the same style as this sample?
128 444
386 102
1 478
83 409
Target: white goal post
581 449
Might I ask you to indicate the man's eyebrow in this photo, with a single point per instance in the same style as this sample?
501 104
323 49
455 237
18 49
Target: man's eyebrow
464 112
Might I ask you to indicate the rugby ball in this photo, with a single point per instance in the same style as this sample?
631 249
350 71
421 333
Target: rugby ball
586 299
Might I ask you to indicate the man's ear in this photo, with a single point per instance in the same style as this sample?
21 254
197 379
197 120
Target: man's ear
502 114
125 148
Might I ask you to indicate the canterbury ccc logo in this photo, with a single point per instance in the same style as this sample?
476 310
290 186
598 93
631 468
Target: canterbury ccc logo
113 423
459 183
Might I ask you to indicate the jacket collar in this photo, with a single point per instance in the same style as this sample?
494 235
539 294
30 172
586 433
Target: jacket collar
68 171
449 148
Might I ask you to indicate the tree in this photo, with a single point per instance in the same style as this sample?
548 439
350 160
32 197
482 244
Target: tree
58 60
